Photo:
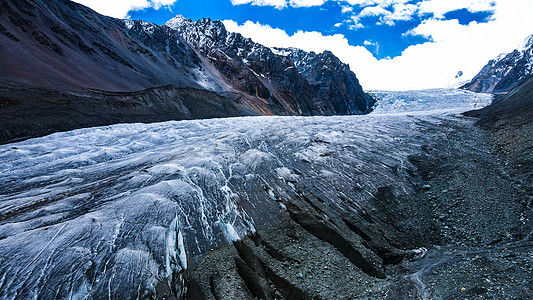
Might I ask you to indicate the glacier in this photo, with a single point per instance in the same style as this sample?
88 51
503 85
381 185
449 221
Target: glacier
110 211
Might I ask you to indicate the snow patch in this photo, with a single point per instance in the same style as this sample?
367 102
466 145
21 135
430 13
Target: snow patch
129 24
280 51
177 22
231 232
289 68
148 27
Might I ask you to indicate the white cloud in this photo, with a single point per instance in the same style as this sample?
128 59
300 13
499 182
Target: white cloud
403 11
364 3
440 7
373 11
354 23
347 9
345 4
276 3
279 4
120 8
306 3
453 46
436 7
391 11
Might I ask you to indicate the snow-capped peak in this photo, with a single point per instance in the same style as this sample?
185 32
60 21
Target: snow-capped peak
177 21
505 71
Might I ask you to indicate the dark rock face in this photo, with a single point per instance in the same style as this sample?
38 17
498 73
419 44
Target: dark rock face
504 73
331 79
517 104
307 83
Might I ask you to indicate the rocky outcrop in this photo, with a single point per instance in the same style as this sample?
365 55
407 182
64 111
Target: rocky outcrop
306 82
331 79
502 74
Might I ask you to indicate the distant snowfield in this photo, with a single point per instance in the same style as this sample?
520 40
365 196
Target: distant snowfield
111 210
432 101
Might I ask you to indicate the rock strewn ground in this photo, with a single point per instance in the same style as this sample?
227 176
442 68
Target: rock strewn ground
467 211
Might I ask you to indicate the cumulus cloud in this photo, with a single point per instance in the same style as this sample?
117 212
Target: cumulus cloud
440 7
453 47
279 4
391 11
388 11
120 8
400 12
306 3
276 3
347 9
373 11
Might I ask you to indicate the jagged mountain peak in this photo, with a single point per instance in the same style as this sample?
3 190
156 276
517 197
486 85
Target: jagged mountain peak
503 73
178 19
321 83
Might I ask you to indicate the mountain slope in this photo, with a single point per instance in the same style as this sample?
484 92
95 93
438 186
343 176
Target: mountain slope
327 86
509 120
331 79
509 116
505 72
62 50
47 111
63 45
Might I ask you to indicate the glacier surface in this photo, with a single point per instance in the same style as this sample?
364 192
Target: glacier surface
110 211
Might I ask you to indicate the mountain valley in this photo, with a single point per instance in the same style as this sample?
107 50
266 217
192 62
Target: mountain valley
185 161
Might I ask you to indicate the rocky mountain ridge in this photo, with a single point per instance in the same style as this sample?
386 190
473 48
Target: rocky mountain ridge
331 78
66 48
502 74
321 82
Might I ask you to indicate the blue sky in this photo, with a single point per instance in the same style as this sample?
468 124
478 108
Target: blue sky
387 41
390 44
